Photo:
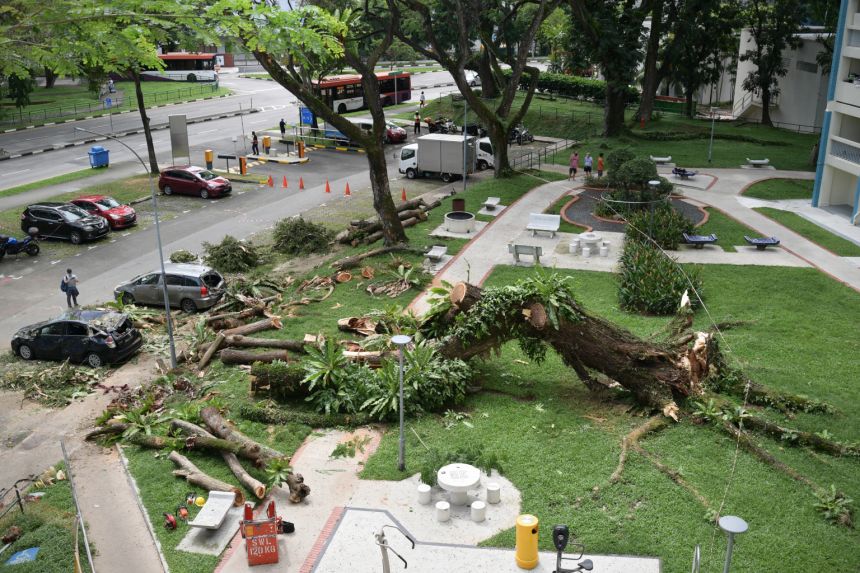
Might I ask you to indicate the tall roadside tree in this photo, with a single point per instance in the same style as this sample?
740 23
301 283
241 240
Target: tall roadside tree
457 33
295 46
650 79
773 26
612 34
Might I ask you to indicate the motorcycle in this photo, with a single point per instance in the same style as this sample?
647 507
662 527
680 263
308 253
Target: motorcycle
440 125
12 246
521 135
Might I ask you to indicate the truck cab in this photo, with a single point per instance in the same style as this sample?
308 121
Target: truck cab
486 159
409 160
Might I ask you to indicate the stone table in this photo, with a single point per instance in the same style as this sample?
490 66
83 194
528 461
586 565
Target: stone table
457 480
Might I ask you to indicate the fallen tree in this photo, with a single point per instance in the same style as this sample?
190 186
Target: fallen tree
195 476
233 356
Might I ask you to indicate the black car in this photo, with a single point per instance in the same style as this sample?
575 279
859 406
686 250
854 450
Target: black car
95 337
63 221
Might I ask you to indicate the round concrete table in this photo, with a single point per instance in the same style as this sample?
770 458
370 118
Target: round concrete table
457 479
590 238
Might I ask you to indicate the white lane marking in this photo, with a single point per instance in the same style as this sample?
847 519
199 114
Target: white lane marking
113 240
93 247
21 171
207 131
186 211
126 234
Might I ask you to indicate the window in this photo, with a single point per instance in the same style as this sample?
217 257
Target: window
211 280
72 212
190 282
407 154
486 147
174 280
148 279
107 203
56 329
77 329
86 205
206 175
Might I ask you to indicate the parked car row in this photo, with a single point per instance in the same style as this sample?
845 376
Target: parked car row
98 337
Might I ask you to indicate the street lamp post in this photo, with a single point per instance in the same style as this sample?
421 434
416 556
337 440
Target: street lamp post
401 340
158 241
654 184
711 144
732 526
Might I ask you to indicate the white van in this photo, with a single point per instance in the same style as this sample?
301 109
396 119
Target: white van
486 160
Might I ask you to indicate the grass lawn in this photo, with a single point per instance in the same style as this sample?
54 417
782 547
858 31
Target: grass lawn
686 140
48 524
65 178
65 102
780 189
729 231
562 442
811 231
555 209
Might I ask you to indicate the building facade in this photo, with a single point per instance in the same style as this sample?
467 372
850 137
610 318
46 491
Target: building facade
837 176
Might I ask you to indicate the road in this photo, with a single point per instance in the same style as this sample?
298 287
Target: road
29 289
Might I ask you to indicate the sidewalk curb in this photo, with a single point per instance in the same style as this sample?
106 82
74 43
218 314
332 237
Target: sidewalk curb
59 122
123 134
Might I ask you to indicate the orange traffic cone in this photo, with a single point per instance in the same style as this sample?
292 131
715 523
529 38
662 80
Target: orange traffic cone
271 183
346 191
285 182
327 188
301 183
403 194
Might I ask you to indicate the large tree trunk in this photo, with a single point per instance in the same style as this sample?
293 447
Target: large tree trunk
498 133
613 115
273 322
688 103
489 90
50 78
196 477
233 356
144 119
765 107
655 374
383 204
650 79
219 426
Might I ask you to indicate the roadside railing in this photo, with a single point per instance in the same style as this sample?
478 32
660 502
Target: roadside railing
109 103
12 496
534 159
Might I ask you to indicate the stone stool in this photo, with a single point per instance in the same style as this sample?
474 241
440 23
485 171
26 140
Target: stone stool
573 248
586 251
423 494
479 511
494 493
604 249
443 511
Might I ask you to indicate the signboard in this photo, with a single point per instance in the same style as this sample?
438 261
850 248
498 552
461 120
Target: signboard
306 116
261 541
178 137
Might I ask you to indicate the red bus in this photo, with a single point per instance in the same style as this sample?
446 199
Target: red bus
186 67
345 93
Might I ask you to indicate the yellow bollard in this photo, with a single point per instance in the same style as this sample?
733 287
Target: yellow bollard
527 542
301 147
209 156
267 144
243 165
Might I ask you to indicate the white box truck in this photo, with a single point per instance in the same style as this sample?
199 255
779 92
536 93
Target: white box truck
438 155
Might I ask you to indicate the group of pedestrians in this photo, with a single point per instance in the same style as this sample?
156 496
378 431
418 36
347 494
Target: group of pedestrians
588 164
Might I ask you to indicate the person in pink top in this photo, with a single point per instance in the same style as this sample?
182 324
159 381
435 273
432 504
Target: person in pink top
574 165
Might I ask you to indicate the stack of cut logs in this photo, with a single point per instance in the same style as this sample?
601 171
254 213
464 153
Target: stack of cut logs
367 231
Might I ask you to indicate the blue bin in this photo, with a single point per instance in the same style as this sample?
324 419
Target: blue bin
98 156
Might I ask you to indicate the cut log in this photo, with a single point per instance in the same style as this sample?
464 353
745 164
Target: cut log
240 341
250 451
373 237
233 356
216 344
356 260
371 358
655 374
298 489
270 323
256 310
231 460
219 426
194 476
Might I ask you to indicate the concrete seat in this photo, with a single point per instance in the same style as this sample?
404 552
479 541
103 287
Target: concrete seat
436 253
758 162
534 250
661 160
490 203
539 222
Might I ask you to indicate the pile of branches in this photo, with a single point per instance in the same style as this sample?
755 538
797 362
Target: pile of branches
368 231
52 385
217 436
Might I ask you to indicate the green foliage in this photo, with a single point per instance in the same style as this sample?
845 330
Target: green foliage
651 282
574 86
183 256
835 506
271 414
325 365
188 411
19 90
349 448
296 236
231 255
633 174
283 379
664 225
277 471
618 157
474 454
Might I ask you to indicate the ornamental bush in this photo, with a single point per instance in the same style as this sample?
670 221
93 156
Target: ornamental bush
650 282
231 255
283 380
295 236
573 86
664 226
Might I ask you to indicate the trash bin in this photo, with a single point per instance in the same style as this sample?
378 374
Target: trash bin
98 156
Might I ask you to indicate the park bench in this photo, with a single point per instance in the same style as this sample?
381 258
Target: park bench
436 253
214 511
490 203
758 162
661 160
546 223
684 173
761 243
699 241
534 250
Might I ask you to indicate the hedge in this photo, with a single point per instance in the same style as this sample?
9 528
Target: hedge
573 86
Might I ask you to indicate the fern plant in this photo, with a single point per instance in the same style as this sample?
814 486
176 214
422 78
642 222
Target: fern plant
324 366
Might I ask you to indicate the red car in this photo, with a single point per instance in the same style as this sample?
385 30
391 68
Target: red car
190 180
118 215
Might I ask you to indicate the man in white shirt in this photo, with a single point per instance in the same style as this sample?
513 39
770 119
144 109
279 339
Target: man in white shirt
70 281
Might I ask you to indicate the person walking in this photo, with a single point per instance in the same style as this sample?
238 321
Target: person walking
417 125
574 165
111 87
600 166
421 101
69 285
589 162
283 126
255 145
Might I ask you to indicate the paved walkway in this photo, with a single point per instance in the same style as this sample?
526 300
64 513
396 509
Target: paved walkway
490 246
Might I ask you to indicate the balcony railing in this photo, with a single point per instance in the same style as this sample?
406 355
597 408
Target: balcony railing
844 150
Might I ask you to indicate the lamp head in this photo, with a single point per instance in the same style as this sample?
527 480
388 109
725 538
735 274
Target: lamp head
401 339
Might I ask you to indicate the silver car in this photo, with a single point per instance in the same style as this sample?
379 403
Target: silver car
189 287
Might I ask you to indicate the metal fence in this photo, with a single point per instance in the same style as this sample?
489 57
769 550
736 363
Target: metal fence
9 502
534 159
110 103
